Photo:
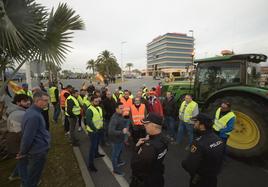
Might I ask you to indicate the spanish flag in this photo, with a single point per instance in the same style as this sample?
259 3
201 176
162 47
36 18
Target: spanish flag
14 87
99 77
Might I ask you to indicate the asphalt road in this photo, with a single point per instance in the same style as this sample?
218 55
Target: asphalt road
235 173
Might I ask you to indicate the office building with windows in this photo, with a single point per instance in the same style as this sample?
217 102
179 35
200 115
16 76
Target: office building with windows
170 52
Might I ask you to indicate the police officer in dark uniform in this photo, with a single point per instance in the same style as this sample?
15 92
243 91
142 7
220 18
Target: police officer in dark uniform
206 157
147 161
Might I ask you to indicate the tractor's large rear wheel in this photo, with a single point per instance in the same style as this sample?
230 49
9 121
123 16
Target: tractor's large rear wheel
250 135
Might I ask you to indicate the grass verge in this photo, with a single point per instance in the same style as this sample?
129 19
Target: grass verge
61 168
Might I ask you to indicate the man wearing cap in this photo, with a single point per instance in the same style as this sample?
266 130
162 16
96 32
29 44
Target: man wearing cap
147 161
224 121
72 111
206 156
25 90
54 99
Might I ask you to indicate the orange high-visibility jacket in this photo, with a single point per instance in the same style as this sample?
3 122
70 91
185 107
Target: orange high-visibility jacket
127 105
138 114
62 98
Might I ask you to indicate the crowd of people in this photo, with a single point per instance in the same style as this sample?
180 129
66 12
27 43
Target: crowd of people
120 118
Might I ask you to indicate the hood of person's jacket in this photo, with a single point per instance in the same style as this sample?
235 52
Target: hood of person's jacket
12 107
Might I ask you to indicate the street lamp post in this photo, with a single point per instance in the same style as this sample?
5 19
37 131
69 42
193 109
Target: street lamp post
122 43
192 31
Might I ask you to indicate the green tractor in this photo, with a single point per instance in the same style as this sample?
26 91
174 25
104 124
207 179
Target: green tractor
236 78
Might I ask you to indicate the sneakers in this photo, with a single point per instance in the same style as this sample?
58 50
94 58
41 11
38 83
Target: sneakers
187 148
122 163
120 173
76 144
98 155
13 178
67 133
92 168
79 129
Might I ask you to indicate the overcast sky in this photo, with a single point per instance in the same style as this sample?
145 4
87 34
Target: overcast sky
241 25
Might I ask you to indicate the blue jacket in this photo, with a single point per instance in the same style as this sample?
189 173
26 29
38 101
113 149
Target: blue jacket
35 137
229 127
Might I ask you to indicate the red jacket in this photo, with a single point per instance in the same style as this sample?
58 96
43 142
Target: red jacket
158 90
154 105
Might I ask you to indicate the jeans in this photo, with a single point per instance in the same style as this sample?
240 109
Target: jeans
15 172
30 169
56 111
116 152
66 121
182 126
95 140
170 123
127 125
72 122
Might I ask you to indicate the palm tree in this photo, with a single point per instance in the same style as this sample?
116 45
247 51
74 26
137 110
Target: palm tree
91 65
31 34
106 60
129 66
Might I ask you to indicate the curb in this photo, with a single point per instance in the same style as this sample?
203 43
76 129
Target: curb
83 168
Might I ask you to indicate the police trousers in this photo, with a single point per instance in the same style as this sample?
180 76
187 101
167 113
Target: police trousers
203 181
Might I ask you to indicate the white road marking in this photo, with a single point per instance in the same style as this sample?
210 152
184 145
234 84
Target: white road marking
121 180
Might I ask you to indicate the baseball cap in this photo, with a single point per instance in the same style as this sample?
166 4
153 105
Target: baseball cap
24 85
203 119
153 118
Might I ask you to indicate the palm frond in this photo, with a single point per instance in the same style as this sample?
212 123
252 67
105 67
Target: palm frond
54 45
21 27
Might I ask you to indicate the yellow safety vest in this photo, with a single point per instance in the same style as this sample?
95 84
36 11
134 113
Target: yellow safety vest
52 95
76 109
97 118
145 90
29 93
121 94
80 100
187 114
115 98
144 95
220 123
86 101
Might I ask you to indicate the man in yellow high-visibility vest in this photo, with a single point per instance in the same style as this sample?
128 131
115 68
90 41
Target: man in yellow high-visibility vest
188 110
72 111
224 121
25 90
94 127
54 99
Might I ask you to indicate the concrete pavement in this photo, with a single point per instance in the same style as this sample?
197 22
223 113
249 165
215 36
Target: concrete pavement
235 172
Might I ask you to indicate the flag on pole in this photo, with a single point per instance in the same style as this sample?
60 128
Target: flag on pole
14 87
99 77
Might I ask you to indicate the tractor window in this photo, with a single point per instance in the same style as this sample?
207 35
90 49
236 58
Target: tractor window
254 75
212 77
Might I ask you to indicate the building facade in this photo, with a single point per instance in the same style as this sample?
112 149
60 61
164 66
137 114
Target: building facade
169 52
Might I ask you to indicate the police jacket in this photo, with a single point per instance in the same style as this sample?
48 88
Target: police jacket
147 161
206 156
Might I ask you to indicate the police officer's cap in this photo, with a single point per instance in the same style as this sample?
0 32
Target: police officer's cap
153 118
203 119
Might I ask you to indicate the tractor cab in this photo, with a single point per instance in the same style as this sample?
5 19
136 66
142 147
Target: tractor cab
227 71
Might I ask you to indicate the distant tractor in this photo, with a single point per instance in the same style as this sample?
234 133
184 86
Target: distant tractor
235 78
